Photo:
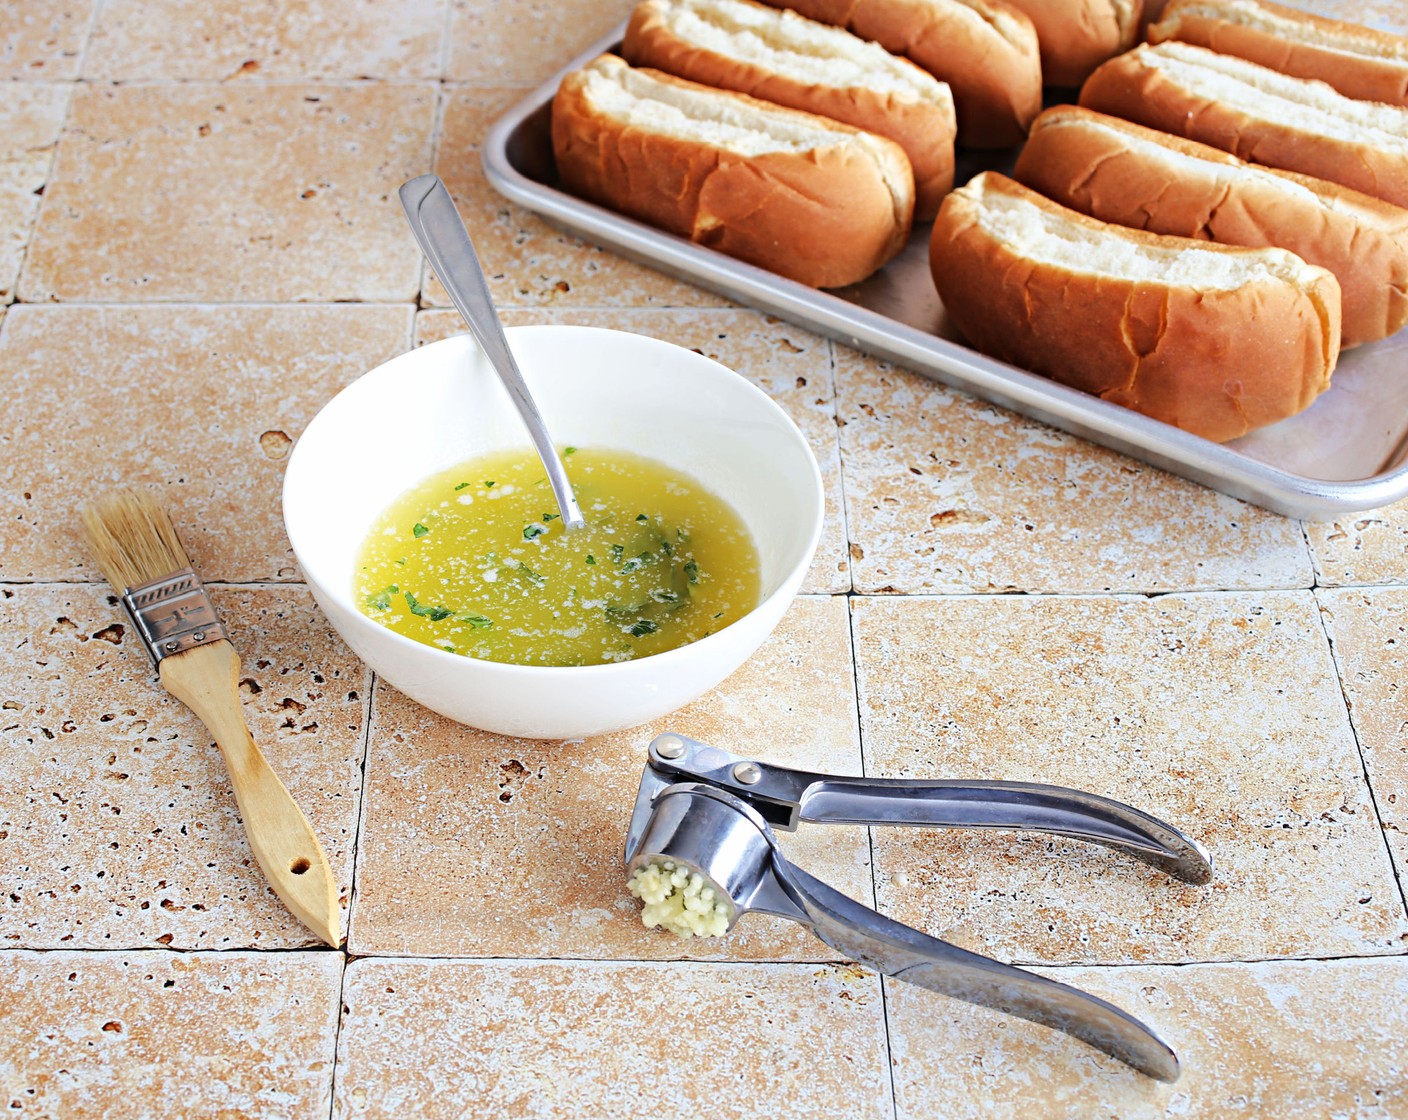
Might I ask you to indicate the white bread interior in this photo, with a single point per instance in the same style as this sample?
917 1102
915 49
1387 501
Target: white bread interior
1269 95
1346 38
798 48
1049 238
640 101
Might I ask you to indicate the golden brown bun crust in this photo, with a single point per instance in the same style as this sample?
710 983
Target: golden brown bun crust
995 75
1306 55
924 129
1078 36
1126 87
1084 160
824 217
1215 363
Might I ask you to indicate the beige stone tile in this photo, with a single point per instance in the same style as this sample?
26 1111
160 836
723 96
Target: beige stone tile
43 39
946 493
112 1035
509 41
453 1039
476 845
789 364
31 116
232 192
1220 713
528 262
117 824
1286 1038
196 39
1368 547
1369 629
203 403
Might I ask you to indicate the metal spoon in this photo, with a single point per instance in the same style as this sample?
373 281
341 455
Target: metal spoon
446 245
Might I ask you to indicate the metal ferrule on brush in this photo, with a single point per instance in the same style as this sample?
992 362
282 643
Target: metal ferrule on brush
173 614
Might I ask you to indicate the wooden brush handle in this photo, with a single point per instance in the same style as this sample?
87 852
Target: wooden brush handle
206 680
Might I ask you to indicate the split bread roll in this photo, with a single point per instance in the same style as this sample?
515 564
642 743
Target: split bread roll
986 50
1258 114
1216 340
790 60
1134 176
808 198
1076 36
1358 61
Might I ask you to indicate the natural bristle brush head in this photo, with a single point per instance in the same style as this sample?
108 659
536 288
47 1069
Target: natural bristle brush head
132 539
680 899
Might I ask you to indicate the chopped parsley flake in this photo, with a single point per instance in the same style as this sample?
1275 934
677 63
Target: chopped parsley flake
569 450
643 627
418 530
381 601
533 532
642 517
462 485
488 485
590 558
551 516
435 614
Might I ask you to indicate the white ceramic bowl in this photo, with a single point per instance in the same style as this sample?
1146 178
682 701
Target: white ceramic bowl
429 409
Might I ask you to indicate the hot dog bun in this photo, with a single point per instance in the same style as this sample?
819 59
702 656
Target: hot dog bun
1216 340
986 50
1076 36
1258 114
1357 61
808 198
790 60
1134 176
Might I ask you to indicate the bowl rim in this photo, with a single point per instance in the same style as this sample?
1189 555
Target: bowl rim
787 586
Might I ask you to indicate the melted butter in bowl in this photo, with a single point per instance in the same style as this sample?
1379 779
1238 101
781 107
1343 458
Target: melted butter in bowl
475 561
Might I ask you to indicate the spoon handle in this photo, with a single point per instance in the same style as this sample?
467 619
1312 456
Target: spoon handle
446 245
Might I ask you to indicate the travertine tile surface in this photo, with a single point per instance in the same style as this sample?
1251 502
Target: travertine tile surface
143 205
31 115
1284 1038
476 845
791 365
1220 713
1369 628
43 39
509 41
529 263
194 39
199 404
542 1038
107 1036
118 827
951 494
1357 548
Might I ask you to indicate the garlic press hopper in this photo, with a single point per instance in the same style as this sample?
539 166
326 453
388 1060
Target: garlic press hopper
715 813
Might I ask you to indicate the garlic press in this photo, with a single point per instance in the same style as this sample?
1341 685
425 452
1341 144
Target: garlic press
703 811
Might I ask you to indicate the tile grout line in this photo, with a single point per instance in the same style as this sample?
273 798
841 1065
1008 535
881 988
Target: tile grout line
445 40
48 181
368 715
686 962
1340 677
93 20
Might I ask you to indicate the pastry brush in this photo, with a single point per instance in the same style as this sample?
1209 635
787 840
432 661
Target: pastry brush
135 544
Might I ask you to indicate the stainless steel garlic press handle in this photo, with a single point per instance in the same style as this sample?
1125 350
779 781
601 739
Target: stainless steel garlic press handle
896 950
786 797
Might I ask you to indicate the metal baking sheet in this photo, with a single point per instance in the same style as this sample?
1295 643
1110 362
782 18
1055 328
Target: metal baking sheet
1347 452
